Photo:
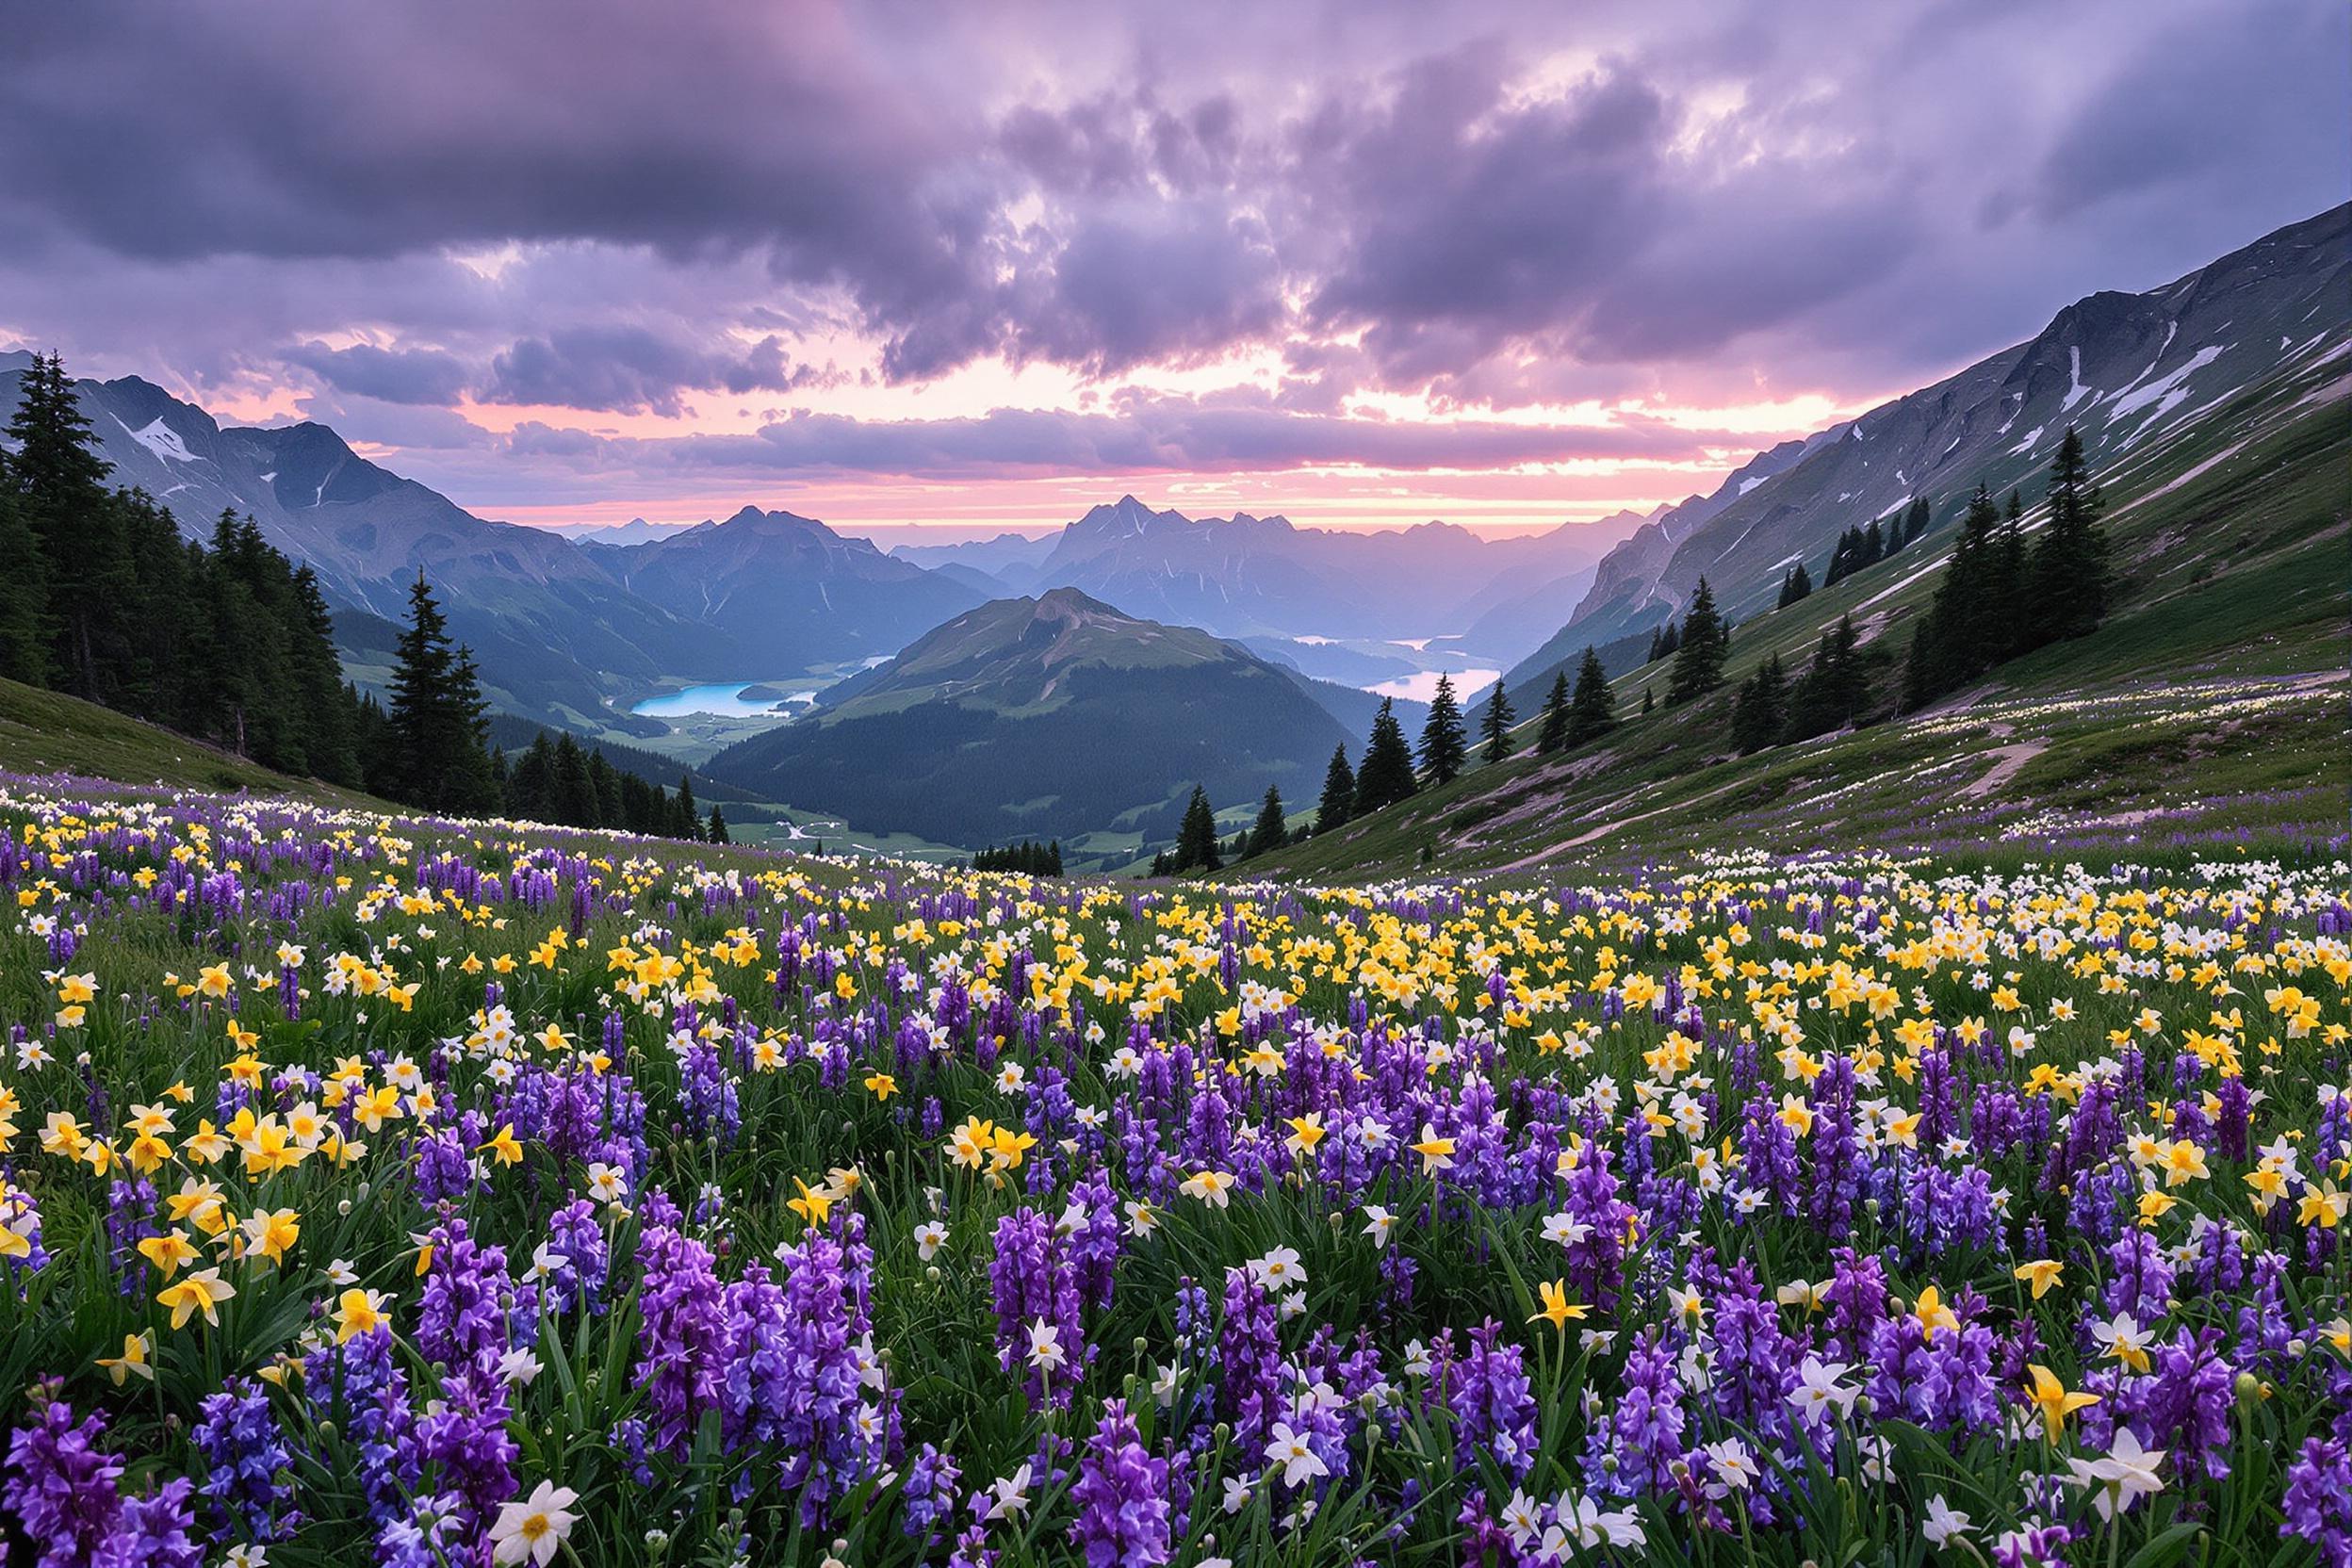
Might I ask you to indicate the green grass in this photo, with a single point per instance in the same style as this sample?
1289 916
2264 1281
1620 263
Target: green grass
42 731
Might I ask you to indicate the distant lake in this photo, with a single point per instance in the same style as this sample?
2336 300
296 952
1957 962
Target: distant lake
725 700
1421 685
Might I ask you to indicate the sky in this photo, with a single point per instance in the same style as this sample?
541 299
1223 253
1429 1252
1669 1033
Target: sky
980 266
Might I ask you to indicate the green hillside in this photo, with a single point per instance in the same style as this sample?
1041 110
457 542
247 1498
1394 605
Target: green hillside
2207 708
44 732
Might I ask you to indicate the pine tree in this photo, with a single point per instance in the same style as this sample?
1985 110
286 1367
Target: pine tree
2002 611
1833 689
1948 649
1648 702
1196 836
2067 580
1593 710
1495 723
1445 744
1759 710
1387 776
575 803
61 497
1706 642
1914 521
437 714
24 592
718 828
689 816
1795 586
1339 792
1270 831
1554 733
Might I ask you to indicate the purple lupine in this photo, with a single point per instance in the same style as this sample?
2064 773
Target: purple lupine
465 1437
1636 1447
1031 1278
1121 1496
1249 1361
61 1489
575 1234
2318 1500
678 1331
152 1531
373 1391
1493 1404
468 1309
246 1461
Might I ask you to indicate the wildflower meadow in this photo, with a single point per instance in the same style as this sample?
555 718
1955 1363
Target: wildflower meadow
407 1191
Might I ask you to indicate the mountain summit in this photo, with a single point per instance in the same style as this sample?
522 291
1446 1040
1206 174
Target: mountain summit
1043 717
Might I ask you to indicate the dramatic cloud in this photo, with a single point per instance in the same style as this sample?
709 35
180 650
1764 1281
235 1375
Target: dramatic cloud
900 238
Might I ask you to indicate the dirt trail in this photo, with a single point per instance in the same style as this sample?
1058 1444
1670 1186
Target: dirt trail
1523 862
2011 759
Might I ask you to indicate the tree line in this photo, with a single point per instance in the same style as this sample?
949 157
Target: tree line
224 640
229 641
1029 857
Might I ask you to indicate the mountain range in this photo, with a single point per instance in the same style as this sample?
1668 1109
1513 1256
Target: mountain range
1048 717
1249 577
2130 372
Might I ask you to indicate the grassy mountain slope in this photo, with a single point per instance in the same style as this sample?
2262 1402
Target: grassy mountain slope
2138 375
2207 707
47 732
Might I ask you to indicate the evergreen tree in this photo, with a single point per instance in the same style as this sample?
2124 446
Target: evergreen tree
1445 744
718 828
1833 690
1759 709
575 803
62 500
437 714
1914 521
1339 792
2000 597
1795 586
24 592
1648 702
1553 735
1948 649
1593 710
1706 642
2067 578
1195 836
1270 831
1387 776
1495 724
688 816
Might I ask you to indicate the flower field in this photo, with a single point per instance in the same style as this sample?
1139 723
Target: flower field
423 1193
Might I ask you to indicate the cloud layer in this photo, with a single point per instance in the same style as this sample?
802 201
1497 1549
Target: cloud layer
631 253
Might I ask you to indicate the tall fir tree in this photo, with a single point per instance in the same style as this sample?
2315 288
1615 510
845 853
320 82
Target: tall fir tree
717 833
1386 775
1795 585
2067 580
1269 832
1445 744
437 713
1833 690
1552 733
1705 643
1592 710
1196 836
62 499
1494 722
1339 792
1759 709
24 592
